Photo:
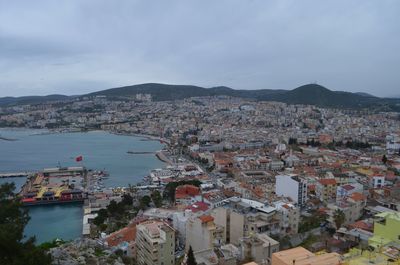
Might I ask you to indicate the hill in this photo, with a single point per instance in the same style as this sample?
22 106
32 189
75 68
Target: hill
6 101
310 94
313 94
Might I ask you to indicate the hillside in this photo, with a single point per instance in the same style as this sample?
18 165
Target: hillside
311 94
5 101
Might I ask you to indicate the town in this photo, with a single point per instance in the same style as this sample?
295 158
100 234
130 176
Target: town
245 182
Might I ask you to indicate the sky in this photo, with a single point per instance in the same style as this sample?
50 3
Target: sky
77 46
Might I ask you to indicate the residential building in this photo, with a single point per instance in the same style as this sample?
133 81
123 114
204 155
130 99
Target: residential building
187 194
325 189
258 247
242 217
386 229
155 243
301 256
203 233
293 187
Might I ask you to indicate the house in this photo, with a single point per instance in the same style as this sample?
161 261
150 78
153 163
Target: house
325 189
187 194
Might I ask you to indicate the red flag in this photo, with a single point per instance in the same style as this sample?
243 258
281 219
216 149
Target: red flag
78 158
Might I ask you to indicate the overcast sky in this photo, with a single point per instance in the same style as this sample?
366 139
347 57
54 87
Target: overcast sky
74 47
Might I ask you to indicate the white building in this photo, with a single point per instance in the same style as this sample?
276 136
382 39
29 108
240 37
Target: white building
155 243
292 186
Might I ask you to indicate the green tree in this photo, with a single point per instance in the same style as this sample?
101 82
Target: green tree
156 198
15 249
145 202
191 259
339 218
102 215
127 199
384 159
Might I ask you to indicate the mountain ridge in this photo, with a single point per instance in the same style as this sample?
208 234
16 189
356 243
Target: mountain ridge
309 94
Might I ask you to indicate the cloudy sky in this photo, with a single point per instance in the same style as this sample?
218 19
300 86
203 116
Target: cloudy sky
78 46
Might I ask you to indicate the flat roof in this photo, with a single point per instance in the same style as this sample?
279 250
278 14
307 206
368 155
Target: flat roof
301 256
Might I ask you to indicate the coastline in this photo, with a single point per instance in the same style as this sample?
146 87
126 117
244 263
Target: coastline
74 130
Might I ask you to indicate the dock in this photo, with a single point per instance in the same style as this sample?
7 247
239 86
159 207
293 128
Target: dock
16 174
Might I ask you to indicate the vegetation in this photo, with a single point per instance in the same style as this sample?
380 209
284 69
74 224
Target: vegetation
156 198
191 259
312 94
339 218
384 159
313 221
311 239
144 202
119 212
357 145
15 248
52 244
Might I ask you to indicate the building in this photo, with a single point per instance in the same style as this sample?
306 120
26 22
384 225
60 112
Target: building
202 233
242 218
187 194
258 247
325 189
346 190
386 229
301 256
293 187
352 206
155 243
289 217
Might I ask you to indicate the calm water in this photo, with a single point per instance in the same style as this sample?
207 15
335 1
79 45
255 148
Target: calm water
100 150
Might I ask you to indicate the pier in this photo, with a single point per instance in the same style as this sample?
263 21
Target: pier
16 174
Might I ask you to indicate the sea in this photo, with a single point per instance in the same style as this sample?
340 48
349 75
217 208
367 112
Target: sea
33 150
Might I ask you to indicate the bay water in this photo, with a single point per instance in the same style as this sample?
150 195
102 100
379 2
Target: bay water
33 150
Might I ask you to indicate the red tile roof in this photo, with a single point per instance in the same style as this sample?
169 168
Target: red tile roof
126 234
185 191
362 225
206 218
356 196
198 206
326 182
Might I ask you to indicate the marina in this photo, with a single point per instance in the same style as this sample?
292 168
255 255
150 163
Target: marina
100 150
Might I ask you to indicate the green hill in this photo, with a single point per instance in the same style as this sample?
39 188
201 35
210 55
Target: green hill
310 94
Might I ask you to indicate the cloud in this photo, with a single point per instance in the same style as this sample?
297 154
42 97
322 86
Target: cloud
71 46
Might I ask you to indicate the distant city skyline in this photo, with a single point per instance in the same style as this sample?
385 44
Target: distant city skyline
75 47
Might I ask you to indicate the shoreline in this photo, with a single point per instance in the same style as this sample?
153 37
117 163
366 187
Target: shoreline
71 130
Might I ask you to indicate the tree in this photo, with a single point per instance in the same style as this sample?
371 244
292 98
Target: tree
384 159
127 199
15 248
102 215
156 198
144 202
339 218
191 259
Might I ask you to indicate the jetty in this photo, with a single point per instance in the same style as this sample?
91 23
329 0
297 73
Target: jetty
7 139
140 152
16 174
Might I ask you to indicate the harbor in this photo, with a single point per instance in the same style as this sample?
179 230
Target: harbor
61 185
101 151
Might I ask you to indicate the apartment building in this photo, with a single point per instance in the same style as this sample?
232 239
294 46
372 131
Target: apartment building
155 243
293 187
242 217
325 189
301 256
203 233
